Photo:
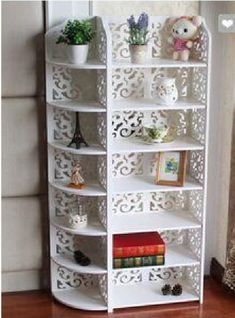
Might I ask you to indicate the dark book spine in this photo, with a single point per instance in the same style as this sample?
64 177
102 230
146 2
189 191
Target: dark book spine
138 261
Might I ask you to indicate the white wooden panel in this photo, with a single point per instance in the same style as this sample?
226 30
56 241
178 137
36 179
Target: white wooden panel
58 11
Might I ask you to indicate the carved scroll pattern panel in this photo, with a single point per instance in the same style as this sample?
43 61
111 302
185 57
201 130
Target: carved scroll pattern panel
130 164
63 86
127 82
64 161
67 279
129 123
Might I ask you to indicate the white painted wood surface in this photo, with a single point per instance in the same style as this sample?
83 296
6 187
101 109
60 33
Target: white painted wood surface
116 187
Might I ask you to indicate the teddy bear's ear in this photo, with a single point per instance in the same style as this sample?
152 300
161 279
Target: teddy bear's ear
197 21
171 21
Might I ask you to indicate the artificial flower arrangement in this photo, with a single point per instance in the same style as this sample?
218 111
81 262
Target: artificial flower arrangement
138 38
77 36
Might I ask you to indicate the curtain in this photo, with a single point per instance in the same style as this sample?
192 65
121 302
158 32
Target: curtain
229 275
229 96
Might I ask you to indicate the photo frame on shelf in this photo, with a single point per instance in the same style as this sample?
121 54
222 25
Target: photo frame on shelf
171 168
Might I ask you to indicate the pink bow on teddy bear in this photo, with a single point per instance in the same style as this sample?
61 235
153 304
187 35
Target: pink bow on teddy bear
184 30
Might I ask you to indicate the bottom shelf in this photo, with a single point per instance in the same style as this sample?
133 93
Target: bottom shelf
148 293
84 298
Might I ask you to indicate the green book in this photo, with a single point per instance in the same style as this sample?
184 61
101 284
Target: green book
138 261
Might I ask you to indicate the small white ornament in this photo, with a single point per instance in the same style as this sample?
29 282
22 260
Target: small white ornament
77 219
166 91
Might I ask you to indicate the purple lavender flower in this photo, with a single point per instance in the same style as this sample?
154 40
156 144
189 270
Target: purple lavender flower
131 22
143 21
138 31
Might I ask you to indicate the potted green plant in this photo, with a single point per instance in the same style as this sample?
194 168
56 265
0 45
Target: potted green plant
77 35
138 40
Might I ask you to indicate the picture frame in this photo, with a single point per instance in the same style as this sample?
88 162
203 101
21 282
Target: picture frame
171 168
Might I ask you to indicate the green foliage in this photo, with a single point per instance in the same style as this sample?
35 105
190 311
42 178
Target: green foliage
76 33
138 37
154 132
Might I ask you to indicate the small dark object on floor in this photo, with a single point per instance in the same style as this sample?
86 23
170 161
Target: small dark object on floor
177 290
81 258
166 289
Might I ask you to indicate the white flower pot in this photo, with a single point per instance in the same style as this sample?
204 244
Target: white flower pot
77 54
138 53
166 90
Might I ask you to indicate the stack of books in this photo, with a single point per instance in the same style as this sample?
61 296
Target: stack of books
138 249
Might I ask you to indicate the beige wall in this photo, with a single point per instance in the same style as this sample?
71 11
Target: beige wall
119 8
227 111
23 182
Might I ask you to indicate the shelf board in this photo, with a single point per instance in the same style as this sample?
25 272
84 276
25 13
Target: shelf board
154 221
91 150
157 62
90 64
135 144
148 293
147 184
94 228
175 256
69 263
77 106
134 104
91 189
82 298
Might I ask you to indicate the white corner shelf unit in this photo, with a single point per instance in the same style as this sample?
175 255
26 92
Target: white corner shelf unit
114 98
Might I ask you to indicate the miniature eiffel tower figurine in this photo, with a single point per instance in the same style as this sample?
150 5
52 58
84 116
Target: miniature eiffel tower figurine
77 180
77 137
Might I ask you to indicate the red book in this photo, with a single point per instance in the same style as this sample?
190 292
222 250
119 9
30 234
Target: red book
138 244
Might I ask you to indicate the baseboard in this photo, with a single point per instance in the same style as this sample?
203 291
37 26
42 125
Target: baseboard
21 280
216 270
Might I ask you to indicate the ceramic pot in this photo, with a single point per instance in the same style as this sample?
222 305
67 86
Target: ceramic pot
138 53
166 90
77 54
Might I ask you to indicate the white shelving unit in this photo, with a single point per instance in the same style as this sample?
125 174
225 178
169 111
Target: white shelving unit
114 98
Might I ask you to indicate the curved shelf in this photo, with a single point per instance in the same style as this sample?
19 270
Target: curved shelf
92 150
92 189
175 256
82 298
147 184
69 263
90 64
77 106
154 221
126 145
92 229
158 62
132 104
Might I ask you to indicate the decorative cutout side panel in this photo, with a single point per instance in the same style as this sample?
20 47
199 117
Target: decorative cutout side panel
67 279
63 163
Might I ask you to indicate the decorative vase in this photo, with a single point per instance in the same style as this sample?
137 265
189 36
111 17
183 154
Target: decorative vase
77 54
138 53
166 90
77 219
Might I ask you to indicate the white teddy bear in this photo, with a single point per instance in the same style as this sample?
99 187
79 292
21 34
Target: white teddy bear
184 30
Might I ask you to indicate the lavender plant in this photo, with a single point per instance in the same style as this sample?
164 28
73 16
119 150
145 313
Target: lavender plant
138 31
